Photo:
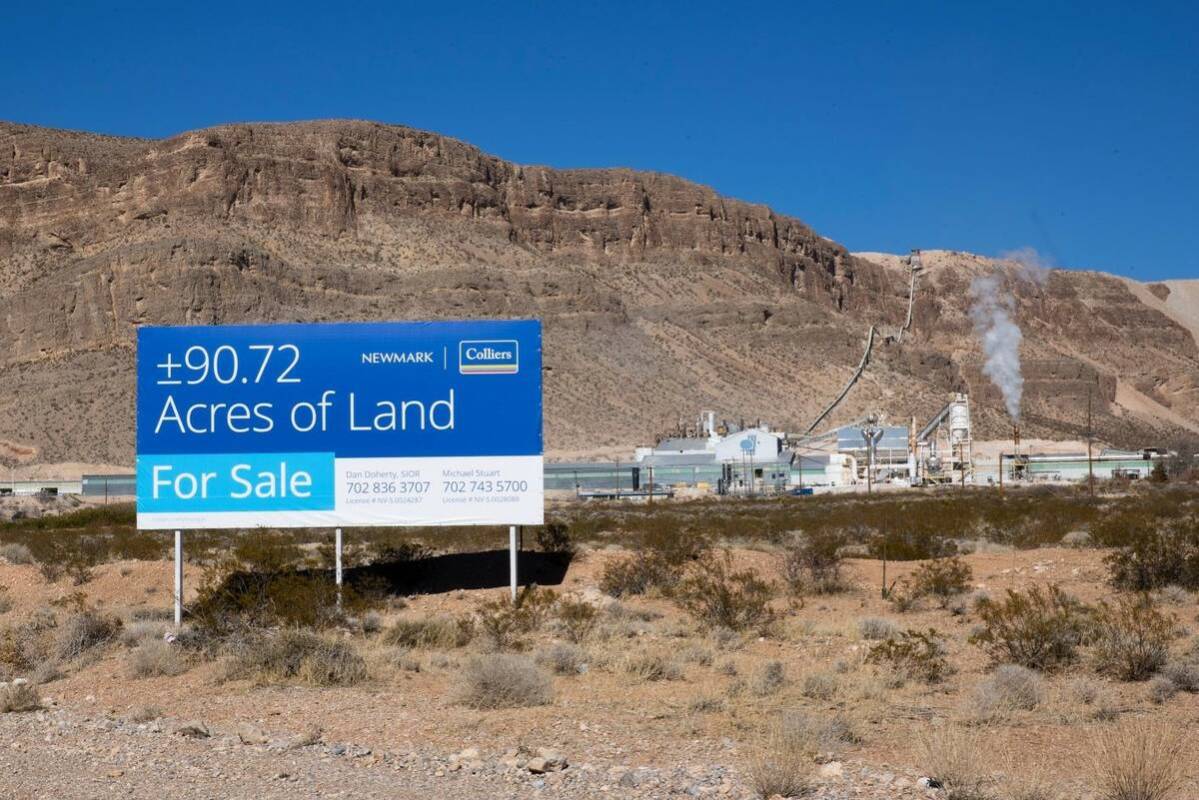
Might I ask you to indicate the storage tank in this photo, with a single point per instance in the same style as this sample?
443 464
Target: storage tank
959 420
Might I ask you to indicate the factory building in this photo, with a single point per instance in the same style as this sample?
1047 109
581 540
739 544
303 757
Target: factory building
1076 467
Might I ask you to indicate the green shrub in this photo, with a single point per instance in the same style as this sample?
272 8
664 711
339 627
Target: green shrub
717 596
578 619
1158 557
917 655
1037 628
942 578
1132 638
554 538
812 563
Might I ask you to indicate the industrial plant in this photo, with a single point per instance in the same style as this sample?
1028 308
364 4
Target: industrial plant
727 458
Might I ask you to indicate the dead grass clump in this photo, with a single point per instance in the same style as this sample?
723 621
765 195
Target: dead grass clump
876 629
134 633
1162 690
652 667
820 685
563 658
434 633
83 631
503 680
145 714
1139 760
826 733
718 596
782 762
154 658
19 697
1038 629
1009 688
1132 638
915 655
956 757
298 655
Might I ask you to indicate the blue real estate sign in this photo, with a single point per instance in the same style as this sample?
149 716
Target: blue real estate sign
321 425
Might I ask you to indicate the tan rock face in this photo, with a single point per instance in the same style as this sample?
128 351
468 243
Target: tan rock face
659 297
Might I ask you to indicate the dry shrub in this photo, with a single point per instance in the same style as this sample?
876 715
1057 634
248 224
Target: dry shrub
812 563
826 733
154 657
563 658
942 578
916 655
718 596
768 679
1132 638
1009 688
1039 629
577 618
662 551
782 761
145 714
1139 760
652 667
820 685
437 632
503 680
84 631
957 758
134 633
876 629
298 655
16 553
6 602
19 697
1184 675
504 623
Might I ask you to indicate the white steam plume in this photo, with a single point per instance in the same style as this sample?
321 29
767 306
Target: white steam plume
1029 264
991 312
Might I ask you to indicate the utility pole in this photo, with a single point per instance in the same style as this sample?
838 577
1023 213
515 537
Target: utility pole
1090 438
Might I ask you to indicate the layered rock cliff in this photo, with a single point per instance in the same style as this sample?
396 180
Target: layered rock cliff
659 296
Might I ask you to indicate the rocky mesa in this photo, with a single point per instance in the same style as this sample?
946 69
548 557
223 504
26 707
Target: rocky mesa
659 296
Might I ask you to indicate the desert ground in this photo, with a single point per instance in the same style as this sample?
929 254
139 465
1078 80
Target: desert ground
652 700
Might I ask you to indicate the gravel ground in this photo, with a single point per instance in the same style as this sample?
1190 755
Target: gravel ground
64 754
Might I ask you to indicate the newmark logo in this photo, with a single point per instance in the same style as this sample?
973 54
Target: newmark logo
488 357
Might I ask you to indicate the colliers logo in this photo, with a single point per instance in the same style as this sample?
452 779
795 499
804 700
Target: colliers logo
488 357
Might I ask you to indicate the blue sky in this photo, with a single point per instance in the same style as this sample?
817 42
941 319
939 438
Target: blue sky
1072 128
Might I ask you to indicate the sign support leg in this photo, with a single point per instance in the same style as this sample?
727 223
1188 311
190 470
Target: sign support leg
513 550
337 563
178 578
